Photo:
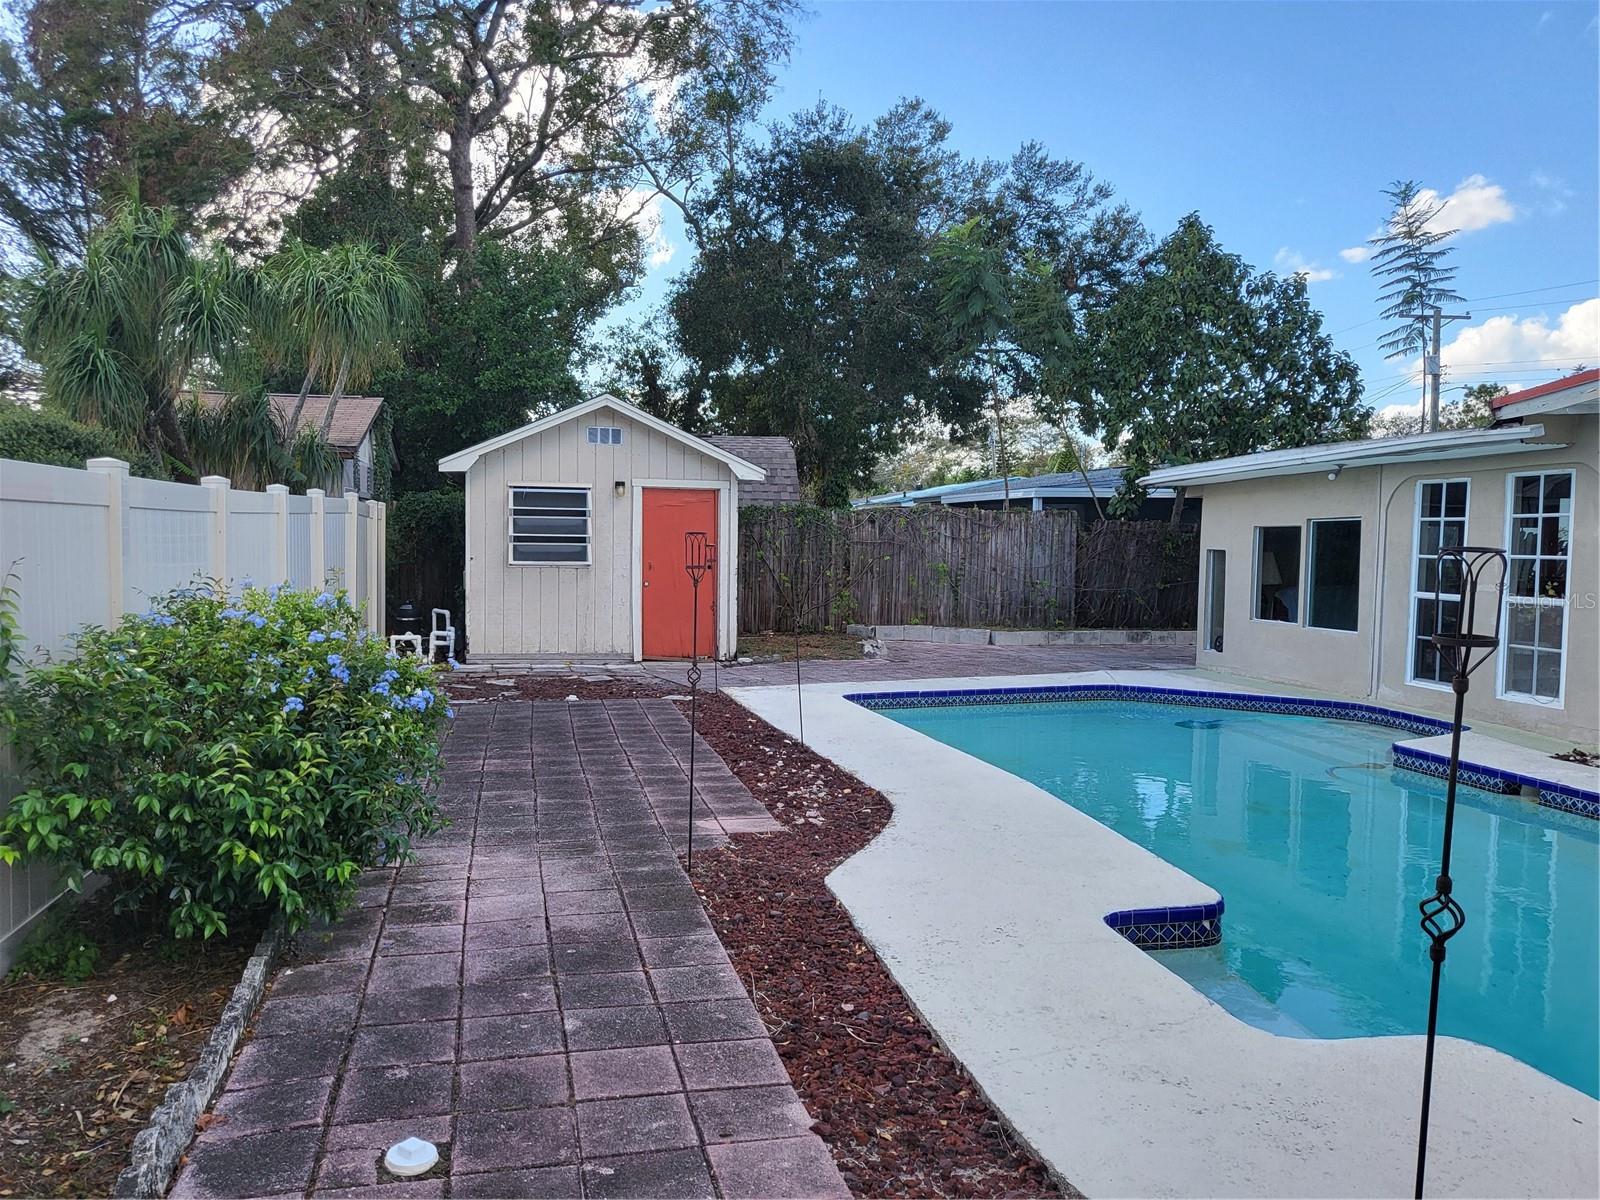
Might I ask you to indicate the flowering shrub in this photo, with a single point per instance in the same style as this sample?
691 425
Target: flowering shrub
221 755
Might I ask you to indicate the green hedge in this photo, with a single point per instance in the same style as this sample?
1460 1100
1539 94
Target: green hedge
427 553
37 435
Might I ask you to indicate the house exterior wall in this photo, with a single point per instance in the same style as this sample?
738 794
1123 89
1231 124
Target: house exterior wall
1372 662
516 610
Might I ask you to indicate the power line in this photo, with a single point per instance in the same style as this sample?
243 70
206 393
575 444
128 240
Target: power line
1554 287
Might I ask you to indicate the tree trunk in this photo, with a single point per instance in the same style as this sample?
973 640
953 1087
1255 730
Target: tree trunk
334 396
1177 505
293 425
459 156
174 444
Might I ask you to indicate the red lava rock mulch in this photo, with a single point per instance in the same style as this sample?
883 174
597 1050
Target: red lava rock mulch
472 685
902 1117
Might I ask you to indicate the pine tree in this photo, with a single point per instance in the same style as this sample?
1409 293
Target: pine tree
1409 262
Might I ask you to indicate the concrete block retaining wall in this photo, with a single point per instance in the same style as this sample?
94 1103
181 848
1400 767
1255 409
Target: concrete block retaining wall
958 636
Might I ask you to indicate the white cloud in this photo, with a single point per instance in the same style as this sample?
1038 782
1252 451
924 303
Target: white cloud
1553 189
1514 349
1544 19
1292 262
1475 204
1356 254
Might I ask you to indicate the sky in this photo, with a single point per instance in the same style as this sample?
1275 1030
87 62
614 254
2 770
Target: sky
1280 124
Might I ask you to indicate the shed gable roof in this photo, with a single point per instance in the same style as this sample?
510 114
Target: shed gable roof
462 460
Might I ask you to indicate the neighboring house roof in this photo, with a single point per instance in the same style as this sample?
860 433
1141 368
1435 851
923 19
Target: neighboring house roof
462 460
774 455
1579 393
1102 482
352 416
1370 452
906 499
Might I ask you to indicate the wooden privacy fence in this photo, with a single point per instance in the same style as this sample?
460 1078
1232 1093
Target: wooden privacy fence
84 547
930 565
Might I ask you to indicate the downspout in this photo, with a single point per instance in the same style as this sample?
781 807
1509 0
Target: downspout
1380 562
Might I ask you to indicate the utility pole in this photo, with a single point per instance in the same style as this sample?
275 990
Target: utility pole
1431 365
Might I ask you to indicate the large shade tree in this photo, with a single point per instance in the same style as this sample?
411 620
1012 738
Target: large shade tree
814 307
1204 358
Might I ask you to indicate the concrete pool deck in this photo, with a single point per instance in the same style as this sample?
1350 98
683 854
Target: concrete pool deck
986 897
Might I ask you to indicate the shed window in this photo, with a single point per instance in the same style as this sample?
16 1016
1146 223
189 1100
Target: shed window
1278 573
549 525
605 435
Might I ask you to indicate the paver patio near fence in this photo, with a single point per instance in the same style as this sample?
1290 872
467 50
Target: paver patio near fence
540 994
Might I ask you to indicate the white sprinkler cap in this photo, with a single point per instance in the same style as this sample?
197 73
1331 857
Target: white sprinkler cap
411 1157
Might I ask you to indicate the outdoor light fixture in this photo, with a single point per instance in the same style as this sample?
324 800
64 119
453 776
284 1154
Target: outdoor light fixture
621 488
1336 472
1461 572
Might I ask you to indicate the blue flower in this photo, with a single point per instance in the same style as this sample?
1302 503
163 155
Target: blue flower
311 673
247 582
450 712
381 688
163 619
315 636
336 635
389 676
231 614
326 600
452 661
335 660
257 620
342 674
293 705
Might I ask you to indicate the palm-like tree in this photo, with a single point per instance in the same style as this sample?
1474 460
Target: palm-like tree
340 312
121 335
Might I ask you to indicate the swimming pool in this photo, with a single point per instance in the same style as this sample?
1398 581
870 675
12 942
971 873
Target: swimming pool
1321 850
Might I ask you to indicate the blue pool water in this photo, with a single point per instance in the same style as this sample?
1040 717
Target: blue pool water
1321 851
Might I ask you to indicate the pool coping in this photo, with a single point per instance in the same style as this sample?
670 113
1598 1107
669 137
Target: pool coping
1116 1071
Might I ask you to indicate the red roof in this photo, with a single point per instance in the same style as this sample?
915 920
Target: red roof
1546 389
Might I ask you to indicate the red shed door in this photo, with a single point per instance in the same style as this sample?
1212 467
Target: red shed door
666 596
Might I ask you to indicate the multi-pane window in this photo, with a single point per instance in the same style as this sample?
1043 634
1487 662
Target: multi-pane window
605 435
1441 521
1277 579
1539 544
549 525
1333 574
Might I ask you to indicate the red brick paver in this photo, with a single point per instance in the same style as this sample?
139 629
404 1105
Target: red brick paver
540 994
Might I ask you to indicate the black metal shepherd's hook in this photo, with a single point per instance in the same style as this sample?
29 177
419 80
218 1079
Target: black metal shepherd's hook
1464 651
699 556
716 624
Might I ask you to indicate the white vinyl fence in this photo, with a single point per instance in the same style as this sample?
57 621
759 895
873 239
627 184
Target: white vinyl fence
85 547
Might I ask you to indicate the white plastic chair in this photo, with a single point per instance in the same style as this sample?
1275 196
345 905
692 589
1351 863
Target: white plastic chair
443 634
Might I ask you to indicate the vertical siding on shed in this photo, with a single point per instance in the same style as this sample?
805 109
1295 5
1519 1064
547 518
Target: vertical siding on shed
530 610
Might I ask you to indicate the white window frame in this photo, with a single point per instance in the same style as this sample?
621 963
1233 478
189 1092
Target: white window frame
1309 554
1255 577
1412 593
588 515
1501 690
604 435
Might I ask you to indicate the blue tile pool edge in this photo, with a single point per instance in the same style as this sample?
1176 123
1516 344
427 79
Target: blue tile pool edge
1177 928
1560 796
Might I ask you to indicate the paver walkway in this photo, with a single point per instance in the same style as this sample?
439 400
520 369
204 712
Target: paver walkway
541 994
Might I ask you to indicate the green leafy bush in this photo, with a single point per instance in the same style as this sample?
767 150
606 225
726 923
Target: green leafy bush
217 756
42 436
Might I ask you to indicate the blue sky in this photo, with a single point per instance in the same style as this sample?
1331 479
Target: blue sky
1279 123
